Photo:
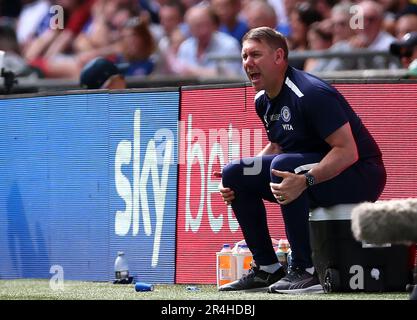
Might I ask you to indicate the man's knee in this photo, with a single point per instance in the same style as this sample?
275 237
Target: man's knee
240 169
232 173
283 162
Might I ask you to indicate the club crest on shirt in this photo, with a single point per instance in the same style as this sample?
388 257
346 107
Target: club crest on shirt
285 114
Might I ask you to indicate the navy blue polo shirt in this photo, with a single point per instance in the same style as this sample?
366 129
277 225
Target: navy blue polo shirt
305 112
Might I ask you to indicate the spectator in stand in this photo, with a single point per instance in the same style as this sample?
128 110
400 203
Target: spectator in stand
259 13
228 13
405 49
101 35
104 28
405 24
319 38
196 53
371 36
171 17
48 52
137 46
324 7
152 7
390 15
56 41
393 9
29 19
282 9
168 62
342 32
340 19
301 18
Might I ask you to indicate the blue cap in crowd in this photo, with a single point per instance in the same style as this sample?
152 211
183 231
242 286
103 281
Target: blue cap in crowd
96 72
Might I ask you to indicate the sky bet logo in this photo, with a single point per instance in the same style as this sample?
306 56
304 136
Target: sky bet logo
135 194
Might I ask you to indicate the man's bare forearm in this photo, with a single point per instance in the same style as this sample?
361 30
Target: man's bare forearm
337 160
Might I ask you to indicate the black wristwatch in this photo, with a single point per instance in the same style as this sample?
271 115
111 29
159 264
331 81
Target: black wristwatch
310 180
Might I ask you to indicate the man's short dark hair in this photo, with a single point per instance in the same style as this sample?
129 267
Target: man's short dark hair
271 37
176 5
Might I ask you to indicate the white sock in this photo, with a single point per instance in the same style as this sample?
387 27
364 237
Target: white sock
310 270
271 268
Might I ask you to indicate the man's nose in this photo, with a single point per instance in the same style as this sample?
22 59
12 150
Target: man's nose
248 62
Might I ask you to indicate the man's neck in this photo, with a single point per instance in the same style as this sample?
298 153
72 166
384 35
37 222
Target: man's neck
274 92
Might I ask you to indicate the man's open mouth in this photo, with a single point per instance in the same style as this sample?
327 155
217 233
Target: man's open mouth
254 76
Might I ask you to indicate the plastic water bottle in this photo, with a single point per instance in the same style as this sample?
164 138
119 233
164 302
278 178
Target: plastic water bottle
224 265
121 267
243 261
282 252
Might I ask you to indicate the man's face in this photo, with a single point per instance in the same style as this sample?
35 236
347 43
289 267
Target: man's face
259 61
201 25
405 24
226 10
372 22
341 28
170 18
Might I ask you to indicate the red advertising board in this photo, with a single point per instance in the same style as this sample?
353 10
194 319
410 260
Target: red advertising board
389 111
219 125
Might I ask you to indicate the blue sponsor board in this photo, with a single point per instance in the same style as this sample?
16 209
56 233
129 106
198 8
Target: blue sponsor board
59 201
143 148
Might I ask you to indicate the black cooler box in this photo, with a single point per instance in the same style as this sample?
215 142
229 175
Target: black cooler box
344 264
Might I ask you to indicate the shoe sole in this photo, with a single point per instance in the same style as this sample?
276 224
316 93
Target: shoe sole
262 289
313 289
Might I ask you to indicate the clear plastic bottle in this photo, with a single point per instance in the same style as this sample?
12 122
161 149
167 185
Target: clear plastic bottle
282 252
224 265
121 267
245 261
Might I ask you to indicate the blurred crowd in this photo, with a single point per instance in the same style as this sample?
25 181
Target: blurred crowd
197 38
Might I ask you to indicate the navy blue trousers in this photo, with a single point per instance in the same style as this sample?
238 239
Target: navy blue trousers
363 181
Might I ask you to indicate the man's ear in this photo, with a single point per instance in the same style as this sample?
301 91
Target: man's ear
279 55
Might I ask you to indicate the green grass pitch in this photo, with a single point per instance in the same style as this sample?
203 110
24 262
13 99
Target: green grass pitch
33 289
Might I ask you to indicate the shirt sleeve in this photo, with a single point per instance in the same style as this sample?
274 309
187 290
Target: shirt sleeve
325 111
